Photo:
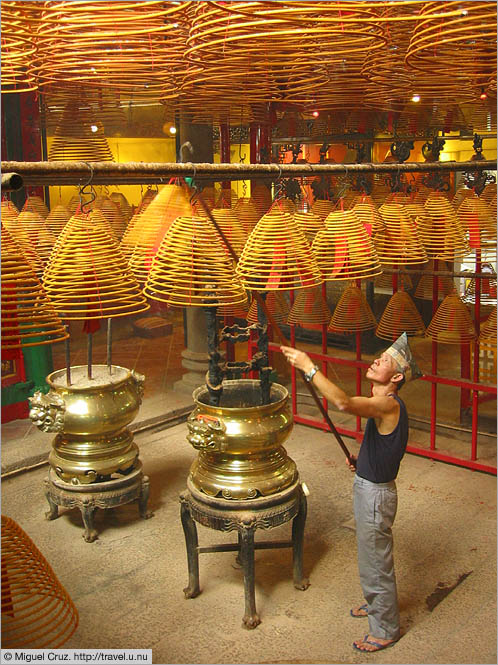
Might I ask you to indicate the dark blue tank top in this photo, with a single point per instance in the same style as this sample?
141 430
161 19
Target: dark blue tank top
380 454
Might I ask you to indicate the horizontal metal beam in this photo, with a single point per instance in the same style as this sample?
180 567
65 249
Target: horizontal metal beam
108 173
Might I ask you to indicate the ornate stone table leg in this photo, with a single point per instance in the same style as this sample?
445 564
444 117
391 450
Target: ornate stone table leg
246 530
191 540
87 509
144 498
53 512
300 582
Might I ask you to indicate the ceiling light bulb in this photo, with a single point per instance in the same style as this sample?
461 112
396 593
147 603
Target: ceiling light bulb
172 129
483 94
94 128
416 98
315 114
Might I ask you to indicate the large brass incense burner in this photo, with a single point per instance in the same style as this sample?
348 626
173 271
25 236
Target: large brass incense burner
240 441
90 416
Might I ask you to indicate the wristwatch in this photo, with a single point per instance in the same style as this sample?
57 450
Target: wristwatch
309 375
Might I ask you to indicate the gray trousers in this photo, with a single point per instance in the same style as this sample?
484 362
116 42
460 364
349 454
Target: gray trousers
375 506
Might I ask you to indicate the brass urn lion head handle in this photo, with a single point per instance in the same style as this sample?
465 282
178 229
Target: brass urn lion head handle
205 432
139 380
47 411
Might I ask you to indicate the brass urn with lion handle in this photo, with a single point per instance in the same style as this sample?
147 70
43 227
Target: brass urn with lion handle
90 416
241 455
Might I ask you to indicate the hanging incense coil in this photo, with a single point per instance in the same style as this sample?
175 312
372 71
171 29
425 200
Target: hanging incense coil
231 228
192 267
487 291
261 197
352 313
475 217
112 213
452 323
398 243
369 216
227 198
425 287
28 318
380 190
461 194
309 308
79 136
18 47
130 236
284 205
276 304
401 315
38 232
147 198
489 192
277 256
132 48
122 202
37 611
488 329
414 210
36 204
385 281
57 219
344 250
398 197
247 214
421 194
365 199
8 210
322 208
87 276
20 244
442 236
236 311
309 223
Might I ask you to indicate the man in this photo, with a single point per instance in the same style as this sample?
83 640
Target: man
374 490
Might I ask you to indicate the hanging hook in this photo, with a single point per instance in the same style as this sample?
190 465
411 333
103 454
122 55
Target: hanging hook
82 188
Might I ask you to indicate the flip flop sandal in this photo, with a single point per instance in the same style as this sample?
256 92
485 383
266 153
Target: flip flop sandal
360 616
373 644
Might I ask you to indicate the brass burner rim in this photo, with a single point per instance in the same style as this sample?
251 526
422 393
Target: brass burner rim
83 389
261 408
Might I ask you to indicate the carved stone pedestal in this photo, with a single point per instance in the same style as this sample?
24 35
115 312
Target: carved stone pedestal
244 517
108 494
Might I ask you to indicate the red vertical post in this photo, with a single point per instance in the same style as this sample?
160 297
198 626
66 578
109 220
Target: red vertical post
435 285
293 369
475 393
324 344
254 145
358 369
225 153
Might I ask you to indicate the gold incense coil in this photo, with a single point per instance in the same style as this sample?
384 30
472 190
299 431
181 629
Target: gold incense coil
369 216
193 268
487 295
87 276
489 192
415 210
18 47
421 194
442 237
385 281
230 227
28 317
277 256
488 329
475 216
380 191
261 197
122 202
128 47
309 308
20 244
112 212
247 214
322 208
452 323
151 227
398 197
461 194
425 287
227 198
344 250
37 611
8 210
147 198
401 315
364 199
57 219
284 205
236 311
352 313
309 223
79 136
464 45
492 206
398 243
36 204
130 236
39 234
277 306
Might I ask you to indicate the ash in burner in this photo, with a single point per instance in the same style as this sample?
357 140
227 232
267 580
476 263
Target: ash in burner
243 394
